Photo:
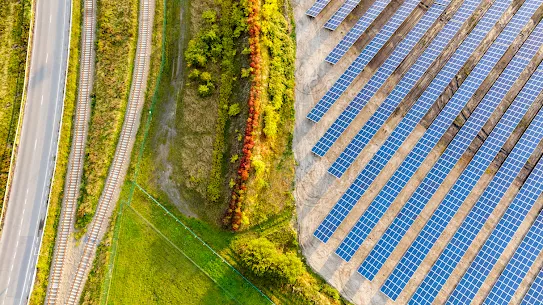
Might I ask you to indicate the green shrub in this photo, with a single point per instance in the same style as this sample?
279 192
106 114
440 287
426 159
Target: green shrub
234 109
205 77
204 90
271 118
330 291
195 55
210 16
264 260
194 74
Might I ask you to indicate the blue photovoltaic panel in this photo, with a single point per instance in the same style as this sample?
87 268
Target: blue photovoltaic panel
409 122
377 80
443 166
394 98
317 8
351 152
356 31
472 225
535 294
517 267
500 237
362 60
346 8
461 189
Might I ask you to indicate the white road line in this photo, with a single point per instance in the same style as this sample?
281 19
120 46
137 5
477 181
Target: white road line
50 17
35 144
46 57
41 102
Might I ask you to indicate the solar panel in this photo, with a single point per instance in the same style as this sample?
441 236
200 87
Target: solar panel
409 122
346 8
535 294
519 265
362 60
514 215
472 225
461 189
351 152
377 80
356 31
317 8
396 96
440 170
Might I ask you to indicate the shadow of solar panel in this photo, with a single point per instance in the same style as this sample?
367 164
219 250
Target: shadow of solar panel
346 8
317 8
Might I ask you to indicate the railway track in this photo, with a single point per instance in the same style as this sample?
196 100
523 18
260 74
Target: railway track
121 159
77 151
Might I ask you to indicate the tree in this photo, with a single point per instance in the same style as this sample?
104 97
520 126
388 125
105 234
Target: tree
264 260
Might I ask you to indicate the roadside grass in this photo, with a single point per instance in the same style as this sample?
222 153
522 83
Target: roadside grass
116 38
15 18
57 189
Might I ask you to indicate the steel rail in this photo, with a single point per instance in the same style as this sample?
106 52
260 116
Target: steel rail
77 151
122 154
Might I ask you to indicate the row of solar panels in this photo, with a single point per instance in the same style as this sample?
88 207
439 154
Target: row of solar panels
464 43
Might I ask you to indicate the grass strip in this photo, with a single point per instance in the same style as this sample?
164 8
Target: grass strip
15 18
57 189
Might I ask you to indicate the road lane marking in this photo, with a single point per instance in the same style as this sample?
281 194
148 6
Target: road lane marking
50 17
35 144
41 102
46 57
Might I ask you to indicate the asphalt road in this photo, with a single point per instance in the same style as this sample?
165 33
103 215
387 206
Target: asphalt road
27 205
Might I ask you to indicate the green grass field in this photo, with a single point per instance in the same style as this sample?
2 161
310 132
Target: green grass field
158 261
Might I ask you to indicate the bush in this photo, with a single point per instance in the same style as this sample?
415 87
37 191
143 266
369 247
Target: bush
194 74
234 110
330 291
205 77
210 16
196 53
264 260
271 118
204 90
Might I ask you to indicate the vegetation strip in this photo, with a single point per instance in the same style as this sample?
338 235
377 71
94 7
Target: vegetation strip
234 213
15 24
